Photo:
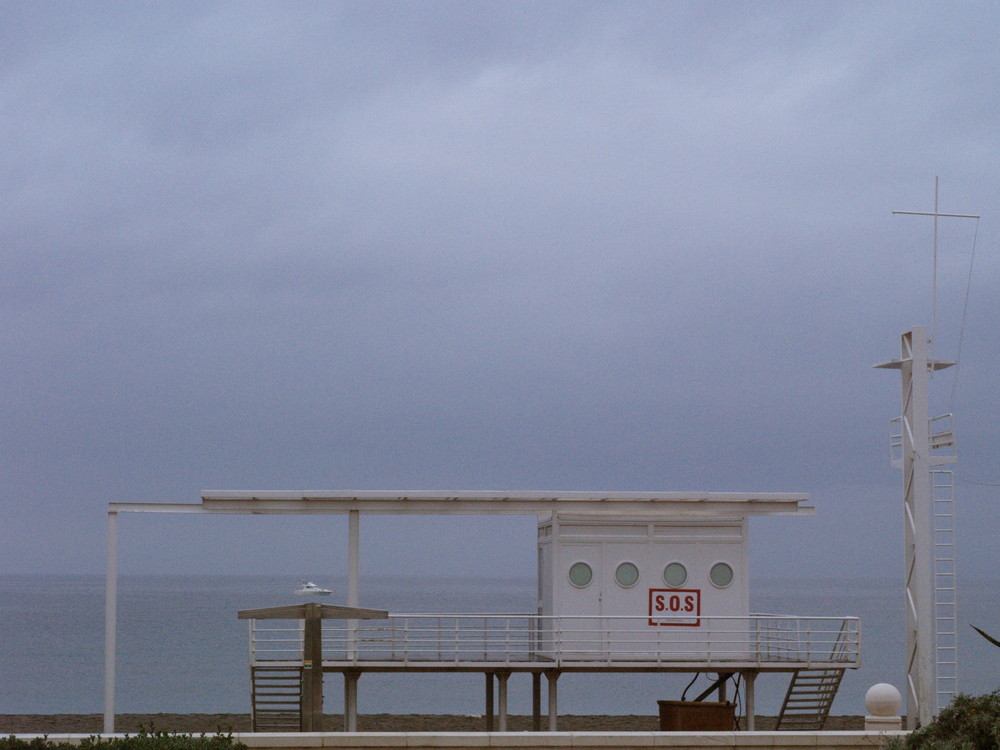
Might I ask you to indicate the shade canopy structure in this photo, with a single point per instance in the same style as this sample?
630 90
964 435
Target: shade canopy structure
500 503
595 504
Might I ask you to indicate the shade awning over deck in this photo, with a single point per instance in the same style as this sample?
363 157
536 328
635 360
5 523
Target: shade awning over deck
301 611
500 503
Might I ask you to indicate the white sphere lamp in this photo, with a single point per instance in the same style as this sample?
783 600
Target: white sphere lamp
883 700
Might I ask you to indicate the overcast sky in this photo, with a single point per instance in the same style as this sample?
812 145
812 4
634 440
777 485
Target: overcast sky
453 245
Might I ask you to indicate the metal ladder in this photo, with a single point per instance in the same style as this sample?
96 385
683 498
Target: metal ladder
811 692
276 699
945 600
943 519
809 698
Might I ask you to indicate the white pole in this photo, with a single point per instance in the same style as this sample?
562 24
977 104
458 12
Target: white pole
353 556
933 340
502 678
350 701
110 622
552 677
353 575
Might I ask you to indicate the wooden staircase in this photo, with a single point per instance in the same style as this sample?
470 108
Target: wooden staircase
276 699
808 700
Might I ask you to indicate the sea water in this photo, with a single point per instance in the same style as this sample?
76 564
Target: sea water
181 647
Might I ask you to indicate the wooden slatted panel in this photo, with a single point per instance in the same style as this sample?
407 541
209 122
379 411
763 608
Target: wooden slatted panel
276 699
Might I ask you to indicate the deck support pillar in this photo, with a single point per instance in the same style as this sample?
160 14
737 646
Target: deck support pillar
312 669
489 702
749 678
552 676
502 678
723 681
536 701
351 700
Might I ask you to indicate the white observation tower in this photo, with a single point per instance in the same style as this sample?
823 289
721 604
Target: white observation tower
920 446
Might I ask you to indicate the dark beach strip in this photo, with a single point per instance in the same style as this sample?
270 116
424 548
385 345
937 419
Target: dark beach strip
211 723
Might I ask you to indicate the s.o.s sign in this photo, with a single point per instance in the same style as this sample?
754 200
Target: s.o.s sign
679 607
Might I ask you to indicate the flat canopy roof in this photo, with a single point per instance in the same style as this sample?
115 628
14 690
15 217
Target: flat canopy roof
481 502
322 611
492 502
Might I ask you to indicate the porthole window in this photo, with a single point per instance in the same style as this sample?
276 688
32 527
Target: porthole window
721 575
627 575
580 574
675 574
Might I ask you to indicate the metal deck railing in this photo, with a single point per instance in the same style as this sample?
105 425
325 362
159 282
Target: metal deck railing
521 640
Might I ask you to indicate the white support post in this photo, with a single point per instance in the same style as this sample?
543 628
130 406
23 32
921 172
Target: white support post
110 621
353 577
351 701
502 678
353 556
552 678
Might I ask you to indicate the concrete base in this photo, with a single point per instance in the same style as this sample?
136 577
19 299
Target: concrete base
883 723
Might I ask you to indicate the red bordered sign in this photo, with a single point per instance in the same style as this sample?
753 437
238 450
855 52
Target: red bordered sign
677 607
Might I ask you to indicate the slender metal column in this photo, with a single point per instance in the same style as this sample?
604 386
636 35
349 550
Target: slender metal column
749 678
489 701
552 677
353 577
353 597
351 700
110 621
502 678
536 701
353 556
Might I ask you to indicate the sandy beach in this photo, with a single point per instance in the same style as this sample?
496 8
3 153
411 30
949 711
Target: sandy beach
211 723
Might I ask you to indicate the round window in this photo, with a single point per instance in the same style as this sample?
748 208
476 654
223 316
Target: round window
627 575
721 575
675 574
580 574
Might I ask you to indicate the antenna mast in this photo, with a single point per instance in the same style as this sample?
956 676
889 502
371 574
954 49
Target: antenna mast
919 446
936 214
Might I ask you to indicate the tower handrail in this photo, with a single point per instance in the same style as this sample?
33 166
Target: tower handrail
522 638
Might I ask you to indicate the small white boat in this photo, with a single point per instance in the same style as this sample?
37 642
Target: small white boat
309 588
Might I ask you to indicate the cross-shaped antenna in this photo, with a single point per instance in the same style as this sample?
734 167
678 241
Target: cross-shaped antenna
936 214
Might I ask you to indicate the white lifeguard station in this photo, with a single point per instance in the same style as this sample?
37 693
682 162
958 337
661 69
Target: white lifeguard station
628 582
670 570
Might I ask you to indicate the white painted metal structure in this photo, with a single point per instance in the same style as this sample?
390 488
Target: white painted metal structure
729 640
928 498
920 445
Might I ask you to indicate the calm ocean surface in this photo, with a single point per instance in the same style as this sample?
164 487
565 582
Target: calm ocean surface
182 649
